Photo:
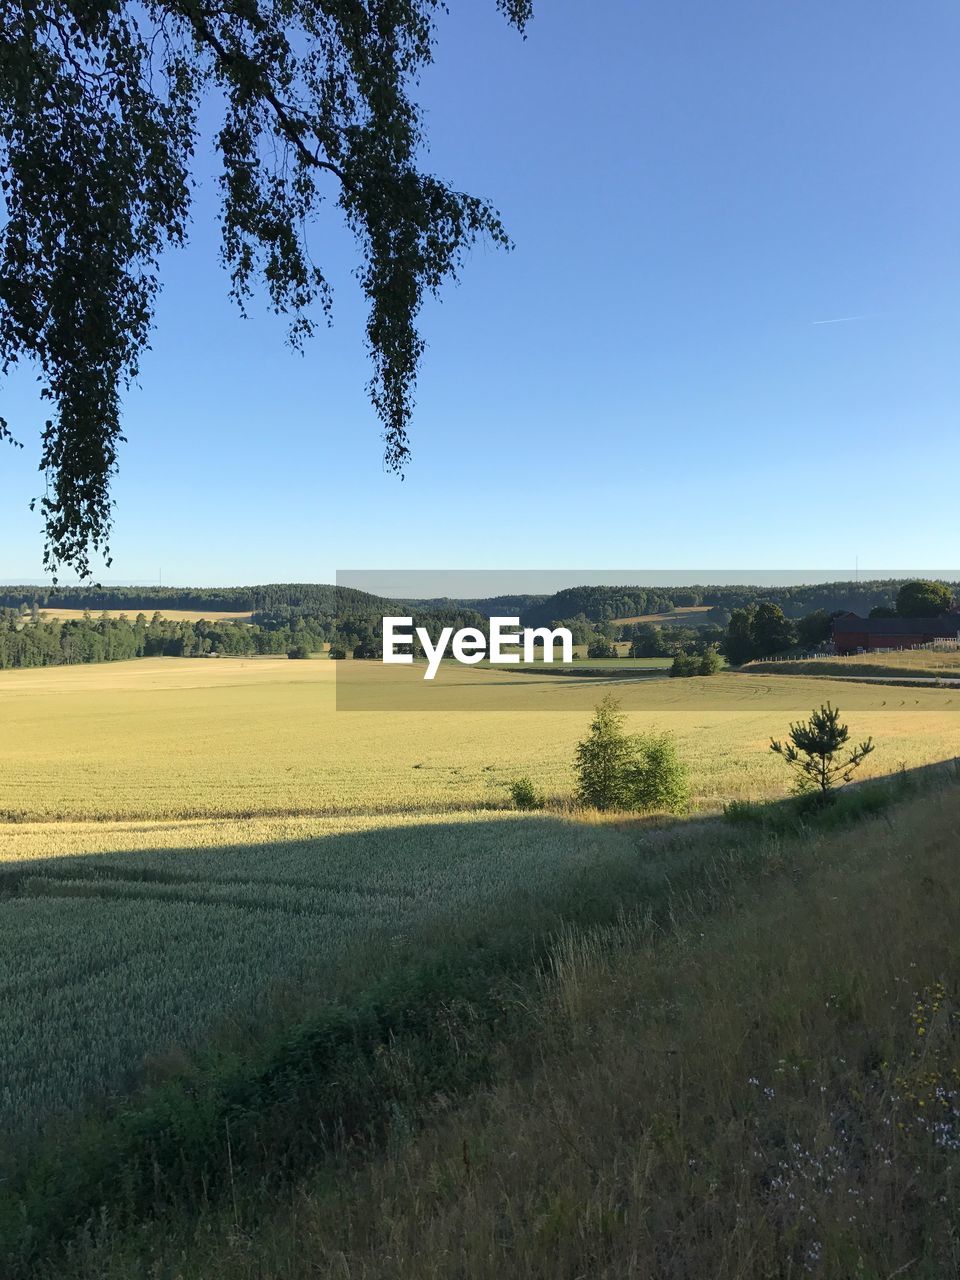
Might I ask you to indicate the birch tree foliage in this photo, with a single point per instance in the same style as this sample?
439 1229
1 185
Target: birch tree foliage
99 109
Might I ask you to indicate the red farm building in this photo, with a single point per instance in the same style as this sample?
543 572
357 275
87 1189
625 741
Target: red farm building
852 634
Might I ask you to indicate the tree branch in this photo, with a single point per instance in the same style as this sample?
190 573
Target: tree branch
290 128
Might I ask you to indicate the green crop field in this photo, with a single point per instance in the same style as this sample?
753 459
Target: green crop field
182 839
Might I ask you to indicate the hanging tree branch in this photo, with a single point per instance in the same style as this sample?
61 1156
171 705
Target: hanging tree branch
98 134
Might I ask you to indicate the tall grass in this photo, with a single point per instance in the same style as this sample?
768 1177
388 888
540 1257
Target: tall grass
743 1062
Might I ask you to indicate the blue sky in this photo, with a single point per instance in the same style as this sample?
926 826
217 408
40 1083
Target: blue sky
693 188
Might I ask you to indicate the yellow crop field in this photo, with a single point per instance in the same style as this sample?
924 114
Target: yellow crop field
173 615
181 837
169 738
692 615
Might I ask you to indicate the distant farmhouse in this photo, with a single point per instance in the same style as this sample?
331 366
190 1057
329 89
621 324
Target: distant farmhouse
852 634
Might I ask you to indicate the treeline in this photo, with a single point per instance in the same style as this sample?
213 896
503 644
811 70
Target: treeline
30 641
294 598
360 634
283 602
603 604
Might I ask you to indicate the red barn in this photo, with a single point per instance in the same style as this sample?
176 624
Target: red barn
851 633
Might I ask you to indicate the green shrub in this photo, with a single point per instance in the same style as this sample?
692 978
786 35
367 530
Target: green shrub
617 770
525 795
697 664
658 780
710 661
685 664
601 648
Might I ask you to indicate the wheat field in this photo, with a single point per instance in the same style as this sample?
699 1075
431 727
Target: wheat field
182 838
54 614
169 738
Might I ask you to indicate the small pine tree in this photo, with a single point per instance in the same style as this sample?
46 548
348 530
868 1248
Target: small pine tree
813 749
604 759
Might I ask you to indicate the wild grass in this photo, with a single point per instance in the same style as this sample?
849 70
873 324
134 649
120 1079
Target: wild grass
934 664
761 1079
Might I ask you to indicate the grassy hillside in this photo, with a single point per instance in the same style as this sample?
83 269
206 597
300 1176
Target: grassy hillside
755 1070
927 663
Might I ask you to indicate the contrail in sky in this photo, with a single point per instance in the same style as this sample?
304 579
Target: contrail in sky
839 320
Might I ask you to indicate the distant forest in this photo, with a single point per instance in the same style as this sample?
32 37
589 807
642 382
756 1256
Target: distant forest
301 618
318 599
597 604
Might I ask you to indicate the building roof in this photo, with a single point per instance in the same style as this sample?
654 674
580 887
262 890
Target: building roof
946 625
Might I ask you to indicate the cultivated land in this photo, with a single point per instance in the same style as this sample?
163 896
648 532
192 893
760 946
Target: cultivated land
173 738
191 846
691 616
329 821
173 615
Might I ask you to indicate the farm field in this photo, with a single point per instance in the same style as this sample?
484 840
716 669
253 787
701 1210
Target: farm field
623 661
173 615
692 616
118 941
174 738
184 839
930 663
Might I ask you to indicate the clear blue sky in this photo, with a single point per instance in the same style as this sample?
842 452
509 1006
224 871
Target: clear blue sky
694 188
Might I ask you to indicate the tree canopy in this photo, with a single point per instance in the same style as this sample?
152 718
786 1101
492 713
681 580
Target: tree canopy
99 129
923 599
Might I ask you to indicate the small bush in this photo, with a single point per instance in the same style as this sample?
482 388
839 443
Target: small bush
617 770
299 651
601 648
337 654
697 664
685 664
659 780
525 795
710 661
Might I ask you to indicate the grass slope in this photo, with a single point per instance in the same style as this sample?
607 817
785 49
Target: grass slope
927 663
755 1070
